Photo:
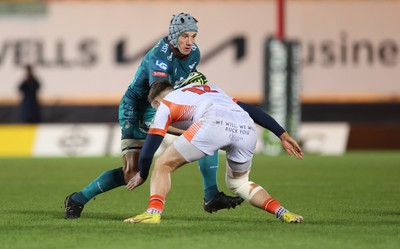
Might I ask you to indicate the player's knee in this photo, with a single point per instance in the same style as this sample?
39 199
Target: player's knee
163 164
170 159
130 167
242 186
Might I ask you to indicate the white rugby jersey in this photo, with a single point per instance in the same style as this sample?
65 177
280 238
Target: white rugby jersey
186 105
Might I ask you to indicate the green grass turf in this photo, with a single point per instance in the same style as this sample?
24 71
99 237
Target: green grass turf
351 201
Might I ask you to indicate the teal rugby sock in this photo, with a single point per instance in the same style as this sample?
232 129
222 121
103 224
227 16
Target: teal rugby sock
208 166
106 181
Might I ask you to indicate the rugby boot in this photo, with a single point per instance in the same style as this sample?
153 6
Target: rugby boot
290 217
145 217
221 201
73 209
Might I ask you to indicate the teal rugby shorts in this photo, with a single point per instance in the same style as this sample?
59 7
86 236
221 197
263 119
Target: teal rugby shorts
135 120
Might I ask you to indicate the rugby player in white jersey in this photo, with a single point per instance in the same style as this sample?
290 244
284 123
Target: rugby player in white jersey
213 121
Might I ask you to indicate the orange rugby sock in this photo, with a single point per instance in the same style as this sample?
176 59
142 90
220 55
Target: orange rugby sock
156 204
271 205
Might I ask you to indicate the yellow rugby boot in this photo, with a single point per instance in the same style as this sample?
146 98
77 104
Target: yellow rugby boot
290 217
145 218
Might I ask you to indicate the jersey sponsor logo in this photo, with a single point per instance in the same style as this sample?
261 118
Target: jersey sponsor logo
164 48
162 65
159 74
194 47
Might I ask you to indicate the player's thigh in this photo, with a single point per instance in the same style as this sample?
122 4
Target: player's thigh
135 120
236 169
188 151
172 158
243 143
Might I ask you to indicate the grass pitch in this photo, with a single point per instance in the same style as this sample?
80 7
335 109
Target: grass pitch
352 201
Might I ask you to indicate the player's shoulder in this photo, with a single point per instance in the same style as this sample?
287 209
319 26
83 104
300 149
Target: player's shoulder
173 96
162 49
214 87
217 89
161 55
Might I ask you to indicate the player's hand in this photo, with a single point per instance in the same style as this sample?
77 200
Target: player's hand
135 181
291 146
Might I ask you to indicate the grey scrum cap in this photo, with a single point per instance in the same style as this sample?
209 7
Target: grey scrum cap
181 23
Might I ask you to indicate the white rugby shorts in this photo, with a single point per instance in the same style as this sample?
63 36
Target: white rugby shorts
231 131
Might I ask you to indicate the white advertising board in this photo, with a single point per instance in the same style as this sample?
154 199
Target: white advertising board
71 140
324 138
82 140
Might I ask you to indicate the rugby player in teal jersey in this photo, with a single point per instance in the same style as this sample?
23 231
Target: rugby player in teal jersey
173 58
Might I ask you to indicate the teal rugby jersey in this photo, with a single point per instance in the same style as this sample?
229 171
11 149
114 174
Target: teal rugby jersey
160 63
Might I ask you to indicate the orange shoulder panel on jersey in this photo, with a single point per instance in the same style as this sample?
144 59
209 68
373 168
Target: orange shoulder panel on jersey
179 112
